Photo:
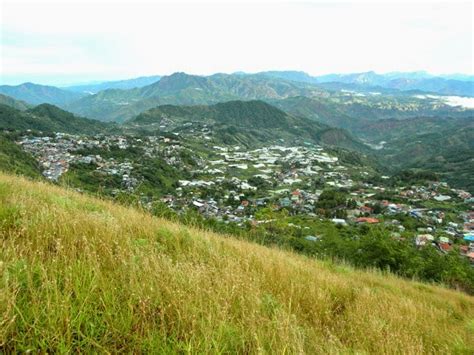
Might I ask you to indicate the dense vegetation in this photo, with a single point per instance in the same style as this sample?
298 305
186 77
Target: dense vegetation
14 160
10 101
444 146
79 274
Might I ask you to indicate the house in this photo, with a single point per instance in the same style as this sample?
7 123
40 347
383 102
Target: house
296 195
339 221
423 239
471 257
198 204
367 220
366 209
442 198
445 247
469 237
285 202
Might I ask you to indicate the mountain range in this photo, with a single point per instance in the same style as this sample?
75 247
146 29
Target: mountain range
124 99
93 88
184 89
38 94
462 85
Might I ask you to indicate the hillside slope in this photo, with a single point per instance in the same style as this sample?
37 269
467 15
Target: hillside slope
16 104
355 113
441 145
47 118
80 274
15 160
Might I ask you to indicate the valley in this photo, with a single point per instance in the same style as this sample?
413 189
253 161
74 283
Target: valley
374 180
221 177
253 171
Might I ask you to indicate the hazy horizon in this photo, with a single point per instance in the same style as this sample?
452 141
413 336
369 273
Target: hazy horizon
66 43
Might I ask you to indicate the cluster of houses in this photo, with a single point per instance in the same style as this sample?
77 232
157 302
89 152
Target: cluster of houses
53 153
439 230
284 176
231 183
56 153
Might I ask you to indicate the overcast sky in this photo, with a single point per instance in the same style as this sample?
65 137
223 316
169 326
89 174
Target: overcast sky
66 42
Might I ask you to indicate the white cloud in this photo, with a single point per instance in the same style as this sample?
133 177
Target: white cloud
126 39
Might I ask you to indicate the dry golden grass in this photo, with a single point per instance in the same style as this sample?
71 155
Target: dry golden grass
80 274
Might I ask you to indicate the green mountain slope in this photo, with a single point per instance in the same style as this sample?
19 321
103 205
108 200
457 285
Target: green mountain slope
16 161
37 94
10 101
253 121
47 118
354 112
441 145
254 114
80 274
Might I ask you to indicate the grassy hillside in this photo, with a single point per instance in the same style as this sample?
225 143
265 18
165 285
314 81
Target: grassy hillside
79 274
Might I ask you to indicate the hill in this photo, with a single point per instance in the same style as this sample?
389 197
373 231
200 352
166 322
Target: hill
442 145
84 274
37 94
355 111
10 101
252 114
116 84
417 133
254 121
184 89
47 118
